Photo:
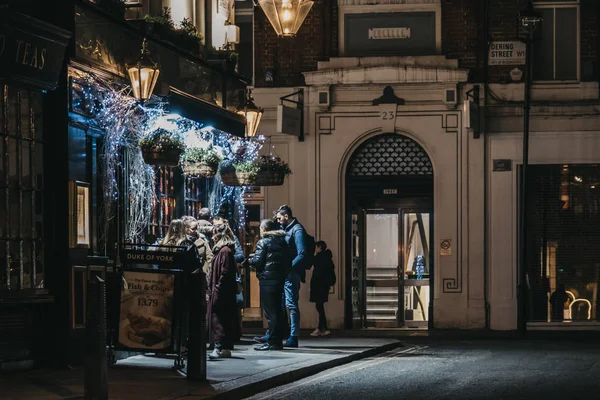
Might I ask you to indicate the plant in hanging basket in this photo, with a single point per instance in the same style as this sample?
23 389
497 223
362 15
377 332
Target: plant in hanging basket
162 147
272 171
265 171
238 173
196 161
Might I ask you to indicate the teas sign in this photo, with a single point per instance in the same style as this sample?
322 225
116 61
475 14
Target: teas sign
31 51
507 53
146 316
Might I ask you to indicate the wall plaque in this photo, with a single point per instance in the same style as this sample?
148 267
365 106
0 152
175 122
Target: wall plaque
386 34
502 165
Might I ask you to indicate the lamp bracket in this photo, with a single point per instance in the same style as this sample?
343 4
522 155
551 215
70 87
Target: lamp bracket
299 102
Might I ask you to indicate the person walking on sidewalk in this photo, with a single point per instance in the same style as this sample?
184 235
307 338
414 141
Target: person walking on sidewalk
272 261
222 316
323 277
296 238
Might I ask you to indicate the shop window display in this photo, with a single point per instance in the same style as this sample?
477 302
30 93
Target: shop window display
564 240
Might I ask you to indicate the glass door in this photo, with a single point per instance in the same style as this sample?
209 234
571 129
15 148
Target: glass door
357 258
382 269
416 267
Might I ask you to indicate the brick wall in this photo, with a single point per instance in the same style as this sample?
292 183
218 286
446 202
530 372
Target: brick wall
289 57
463 35
463 38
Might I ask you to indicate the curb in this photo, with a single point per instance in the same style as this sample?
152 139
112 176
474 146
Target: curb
298 374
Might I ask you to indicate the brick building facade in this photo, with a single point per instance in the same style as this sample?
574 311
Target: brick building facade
367 100
464 26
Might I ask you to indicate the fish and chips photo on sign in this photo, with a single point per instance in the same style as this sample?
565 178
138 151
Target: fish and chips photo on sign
146 310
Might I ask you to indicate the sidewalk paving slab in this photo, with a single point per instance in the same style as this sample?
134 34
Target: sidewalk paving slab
248 372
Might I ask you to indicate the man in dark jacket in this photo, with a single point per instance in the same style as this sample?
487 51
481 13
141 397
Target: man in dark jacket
272 261
295 236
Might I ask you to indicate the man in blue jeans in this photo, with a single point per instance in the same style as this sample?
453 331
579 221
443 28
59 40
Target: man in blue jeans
295 236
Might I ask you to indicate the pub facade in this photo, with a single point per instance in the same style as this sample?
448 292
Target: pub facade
64 209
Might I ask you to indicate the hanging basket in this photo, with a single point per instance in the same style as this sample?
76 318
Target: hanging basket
269 178
168 158
199 169
232 178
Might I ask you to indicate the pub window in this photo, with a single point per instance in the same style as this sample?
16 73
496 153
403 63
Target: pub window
556 42
165 202
21 190
176 196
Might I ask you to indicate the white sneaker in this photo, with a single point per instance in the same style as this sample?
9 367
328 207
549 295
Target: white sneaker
325 333
316 333
216 353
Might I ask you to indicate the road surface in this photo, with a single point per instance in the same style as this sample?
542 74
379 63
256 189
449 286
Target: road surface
508 369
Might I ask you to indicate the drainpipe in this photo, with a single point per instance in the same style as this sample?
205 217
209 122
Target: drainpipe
523 285
486 28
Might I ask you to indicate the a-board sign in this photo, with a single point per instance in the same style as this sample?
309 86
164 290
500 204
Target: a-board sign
147 310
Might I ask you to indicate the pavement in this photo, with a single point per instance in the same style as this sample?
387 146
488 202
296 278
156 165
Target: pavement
247 373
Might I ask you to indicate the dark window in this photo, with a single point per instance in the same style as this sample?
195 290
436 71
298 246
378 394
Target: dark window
563 239
555 53
246 47
21 190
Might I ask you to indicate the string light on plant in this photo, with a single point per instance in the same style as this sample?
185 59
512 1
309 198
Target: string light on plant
126 123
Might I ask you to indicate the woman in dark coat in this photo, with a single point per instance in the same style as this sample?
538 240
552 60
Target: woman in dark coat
323 277
222 316
273 262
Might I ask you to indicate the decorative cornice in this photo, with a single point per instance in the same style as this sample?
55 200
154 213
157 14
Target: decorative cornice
392 74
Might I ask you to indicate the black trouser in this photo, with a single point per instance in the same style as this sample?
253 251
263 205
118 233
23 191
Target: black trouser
320 306
270 298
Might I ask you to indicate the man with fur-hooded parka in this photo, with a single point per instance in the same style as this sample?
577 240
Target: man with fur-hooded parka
273 262
272 259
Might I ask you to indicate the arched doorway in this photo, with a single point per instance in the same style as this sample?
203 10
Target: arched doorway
389 229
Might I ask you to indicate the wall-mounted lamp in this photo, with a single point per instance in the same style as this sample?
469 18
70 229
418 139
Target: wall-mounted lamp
143 75
529 17
252 113
286 16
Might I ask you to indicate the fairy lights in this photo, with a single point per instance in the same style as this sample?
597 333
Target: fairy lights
125 122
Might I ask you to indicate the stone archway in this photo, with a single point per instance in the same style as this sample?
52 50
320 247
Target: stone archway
392 173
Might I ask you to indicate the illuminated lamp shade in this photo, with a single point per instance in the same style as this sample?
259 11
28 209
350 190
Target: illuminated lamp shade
286 16
252 113
143 75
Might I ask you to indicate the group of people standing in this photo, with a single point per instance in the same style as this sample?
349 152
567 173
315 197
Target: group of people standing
283 255
281 258
220 253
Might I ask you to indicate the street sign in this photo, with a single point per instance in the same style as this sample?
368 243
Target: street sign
506 53
289 120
